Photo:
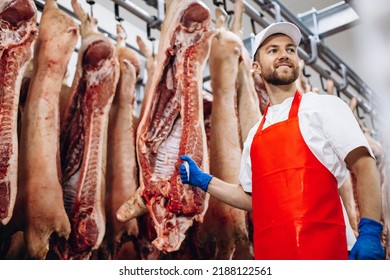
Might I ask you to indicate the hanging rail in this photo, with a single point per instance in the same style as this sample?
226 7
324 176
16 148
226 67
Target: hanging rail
349 78
40 5
153 21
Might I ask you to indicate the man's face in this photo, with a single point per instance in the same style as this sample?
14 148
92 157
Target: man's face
277 60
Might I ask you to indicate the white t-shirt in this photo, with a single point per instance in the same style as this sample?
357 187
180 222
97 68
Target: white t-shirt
329 129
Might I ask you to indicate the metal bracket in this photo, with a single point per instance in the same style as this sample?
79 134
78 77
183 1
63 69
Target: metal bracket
157 20
328 21
278 15
161 10
267 6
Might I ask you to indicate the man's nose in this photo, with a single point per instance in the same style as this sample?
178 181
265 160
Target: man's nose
284 54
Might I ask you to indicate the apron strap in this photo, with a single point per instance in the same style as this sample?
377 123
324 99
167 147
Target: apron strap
295 105
293 110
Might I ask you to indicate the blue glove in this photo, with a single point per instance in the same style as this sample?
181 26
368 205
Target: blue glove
196 177
368 245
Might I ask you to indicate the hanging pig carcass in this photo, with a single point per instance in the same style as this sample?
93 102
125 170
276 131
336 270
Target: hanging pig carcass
122 172
83 139
40 171
172 125
17 36
225 233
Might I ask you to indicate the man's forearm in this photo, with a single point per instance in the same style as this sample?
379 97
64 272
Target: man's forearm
368 189
232 194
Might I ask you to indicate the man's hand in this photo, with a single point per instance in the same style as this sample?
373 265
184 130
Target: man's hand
368 245
194 176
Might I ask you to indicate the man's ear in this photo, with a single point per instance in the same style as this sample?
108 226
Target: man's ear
256 67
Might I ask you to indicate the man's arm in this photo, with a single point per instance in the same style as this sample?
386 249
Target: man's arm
346 194
232 194
368 245
363 166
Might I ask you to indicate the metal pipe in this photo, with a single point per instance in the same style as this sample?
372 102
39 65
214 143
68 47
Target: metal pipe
278 16
137 11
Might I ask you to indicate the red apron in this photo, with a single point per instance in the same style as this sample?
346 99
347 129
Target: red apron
297 211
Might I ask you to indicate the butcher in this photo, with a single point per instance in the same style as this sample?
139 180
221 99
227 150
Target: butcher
293 162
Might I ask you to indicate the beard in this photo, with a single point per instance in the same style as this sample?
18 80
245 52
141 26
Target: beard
277 79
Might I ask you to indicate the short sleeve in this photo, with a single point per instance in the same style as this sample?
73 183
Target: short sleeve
245 177
342 129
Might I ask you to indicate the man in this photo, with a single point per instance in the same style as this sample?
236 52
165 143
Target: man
293 162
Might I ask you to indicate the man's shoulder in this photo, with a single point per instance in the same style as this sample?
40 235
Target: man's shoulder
317 97
323 101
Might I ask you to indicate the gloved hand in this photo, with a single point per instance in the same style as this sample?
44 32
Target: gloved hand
368 245
196 177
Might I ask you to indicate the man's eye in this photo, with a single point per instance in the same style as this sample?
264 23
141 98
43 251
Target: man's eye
291 50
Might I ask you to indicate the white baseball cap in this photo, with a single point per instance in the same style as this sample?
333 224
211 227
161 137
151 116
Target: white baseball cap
285 28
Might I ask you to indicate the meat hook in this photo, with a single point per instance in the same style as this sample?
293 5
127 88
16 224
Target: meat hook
91 3
117 17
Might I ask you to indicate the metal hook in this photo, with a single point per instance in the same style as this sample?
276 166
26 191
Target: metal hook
230 16
148 32
304 72
268 5
307 75
229 13
91 3
344 83
117 17
324 88
358 113
314 51
253 26
150 38
218 2
373 125
322 81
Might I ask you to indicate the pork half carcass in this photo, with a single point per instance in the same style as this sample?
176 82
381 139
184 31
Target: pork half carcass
224 233
122 172
172 125
249 112
17 36
40 170
83 138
